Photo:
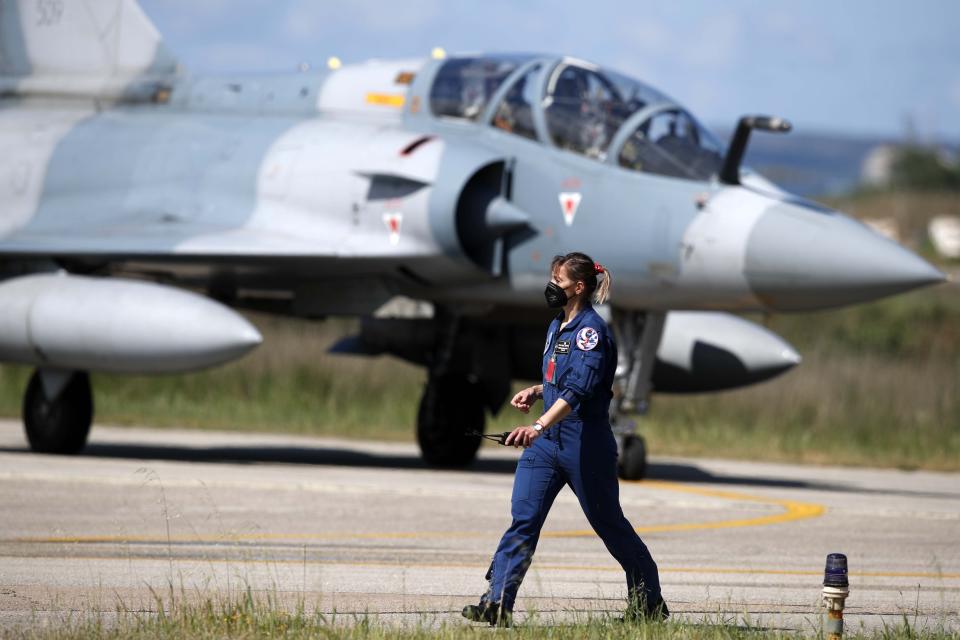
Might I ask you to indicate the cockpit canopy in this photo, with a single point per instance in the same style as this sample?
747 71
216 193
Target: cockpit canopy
578 107
464 86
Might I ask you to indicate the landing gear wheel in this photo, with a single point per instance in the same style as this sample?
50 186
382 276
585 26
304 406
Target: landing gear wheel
60 425
451 406
633 458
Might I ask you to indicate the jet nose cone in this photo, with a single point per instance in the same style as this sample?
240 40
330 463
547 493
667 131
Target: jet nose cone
801 259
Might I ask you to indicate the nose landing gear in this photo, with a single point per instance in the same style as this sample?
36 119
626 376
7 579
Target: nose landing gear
632 464
638 335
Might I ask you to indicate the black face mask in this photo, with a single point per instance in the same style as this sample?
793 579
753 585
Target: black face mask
555 295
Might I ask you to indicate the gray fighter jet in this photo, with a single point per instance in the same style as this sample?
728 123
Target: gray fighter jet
139 205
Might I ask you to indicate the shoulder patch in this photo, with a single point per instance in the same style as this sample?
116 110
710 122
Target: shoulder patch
587 338
547 345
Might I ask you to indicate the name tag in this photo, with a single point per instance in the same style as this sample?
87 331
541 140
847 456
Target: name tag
563 346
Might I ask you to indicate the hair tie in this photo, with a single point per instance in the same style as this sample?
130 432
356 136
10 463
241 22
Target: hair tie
598 267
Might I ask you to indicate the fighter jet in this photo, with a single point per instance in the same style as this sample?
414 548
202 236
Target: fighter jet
141 205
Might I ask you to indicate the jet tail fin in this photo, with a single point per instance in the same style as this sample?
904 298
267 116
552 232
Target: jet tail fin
93 48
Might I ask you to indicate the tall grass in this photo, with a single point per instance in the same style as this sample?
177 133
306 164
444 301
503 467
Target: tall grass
250 616
289 384
878 386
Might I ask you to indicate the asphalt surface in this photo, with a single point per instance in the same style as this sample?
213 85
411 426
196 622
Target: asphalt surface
367 529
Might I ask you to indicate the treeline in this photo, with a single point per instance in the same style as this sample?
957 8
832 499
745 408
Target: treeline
921 168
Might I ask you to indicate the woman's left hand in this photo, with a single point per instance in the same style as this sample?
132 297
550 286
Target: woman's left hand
522 437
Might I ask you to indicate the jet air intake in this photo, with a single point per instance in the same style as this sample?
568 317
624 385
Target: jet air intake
486 217
471 209
61 321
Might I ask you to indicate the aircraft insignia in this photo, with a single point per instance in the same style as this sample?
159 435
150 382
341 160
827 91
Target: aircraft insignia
569 203
393 220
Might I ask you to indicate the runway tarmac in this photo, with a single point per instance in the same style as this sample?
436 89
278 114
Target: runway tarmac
357 527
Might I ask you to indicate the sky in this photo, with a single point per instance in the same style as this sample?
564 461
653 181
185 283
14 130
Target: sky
853 67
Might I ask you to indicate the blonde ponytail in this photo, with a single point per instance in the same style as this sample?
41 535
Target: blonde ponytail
603 287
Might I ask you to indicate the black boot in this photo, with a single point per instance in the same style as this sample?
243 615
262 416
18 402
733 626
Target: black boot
488 612
640 611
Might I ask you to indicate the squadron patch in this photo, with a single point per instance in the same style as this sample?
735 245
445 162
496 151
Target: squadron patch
587 338
563 346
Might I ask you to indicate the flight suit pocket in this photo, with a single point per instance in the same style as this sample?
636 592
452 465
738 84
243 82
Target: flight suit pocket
591 359
523 479
584 368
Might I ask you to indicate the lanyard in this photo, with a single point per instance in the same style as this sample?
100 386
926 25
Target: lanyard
560 347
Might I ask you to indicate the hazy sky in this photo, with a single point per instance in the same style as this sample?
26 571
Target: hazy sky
855 66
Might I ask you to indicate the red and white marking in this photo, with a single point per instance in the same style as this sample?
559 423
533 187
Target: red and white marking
569 203
393 220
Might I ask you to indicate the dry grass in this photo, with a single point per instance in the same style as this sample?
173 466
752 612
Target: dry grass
878 386
288 384
249 616
869 411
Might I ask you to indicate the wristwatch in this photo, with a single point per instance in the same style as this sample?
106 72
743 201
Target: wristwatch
538 427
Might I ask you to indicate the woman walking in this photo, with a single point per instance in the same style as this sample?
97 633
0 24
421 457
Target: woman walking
570 444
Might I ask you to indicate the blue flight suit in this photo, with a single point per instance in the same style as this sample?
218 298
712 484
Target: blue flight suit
579 451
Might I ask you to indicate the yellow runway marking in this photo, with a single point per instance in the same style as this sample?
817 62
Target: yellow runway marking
792 511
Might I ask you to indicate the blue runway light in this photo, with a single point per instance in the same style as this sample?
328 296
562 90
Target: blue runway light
836 588
835 574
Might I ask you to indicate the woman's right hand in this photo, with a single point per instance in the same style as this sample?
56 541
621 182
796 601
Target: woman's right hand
525 399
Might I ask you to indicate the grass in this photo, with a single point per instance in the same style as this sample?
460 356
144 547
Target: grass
289 384
878 385
249 616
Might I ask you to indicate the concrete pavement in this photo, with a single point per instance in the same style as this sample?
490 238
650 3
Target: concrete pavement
360 528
